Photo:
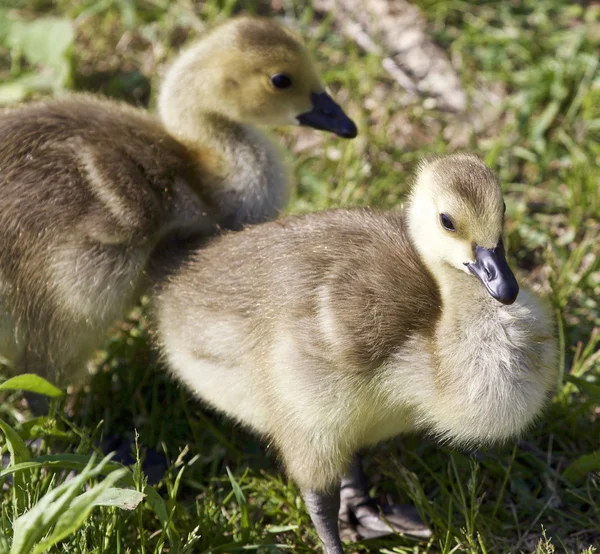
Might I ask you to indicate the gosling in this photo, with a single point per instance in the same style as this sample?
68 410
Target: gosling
90 187
329 332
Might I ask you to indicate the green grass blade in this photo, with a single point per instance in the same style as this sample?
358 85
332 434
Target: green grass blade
581 466
78 510
589 388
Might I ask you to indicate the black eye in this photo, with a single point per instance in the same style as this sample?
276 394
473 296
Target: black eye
281 80
447 223
504 205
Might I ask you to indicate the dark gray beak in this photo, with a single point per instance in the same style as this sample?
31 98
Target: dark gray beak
328 116
493 271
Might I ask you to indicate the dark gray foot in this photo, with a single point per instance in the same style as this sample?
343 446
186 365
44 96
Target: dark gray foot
323 508
362 517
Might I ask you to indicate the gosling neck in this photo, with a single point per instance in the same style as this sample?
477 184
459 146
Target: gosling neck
190 108
190 88
243 177
209 136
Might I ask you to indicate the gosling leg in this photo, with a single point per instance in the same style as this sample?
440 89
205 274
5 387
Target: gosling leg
323 508
370 519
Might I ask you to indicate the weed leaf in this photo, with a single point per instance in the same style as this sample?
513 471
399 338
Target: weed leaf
589 388
581 466
16 445
32 383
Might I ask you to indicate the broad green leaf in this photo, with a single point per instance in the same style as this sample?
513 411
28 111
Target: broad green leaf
32 383
78 462
18 453
126 499
29 528
44 41
157 504
582 465
16 445
46 44
78 511
589 388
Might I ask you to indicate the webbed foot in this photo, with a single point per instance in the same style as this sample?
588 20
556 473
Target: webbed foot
363 517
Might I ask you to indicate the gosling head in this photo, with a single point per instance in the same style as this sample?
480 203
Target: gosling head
251 70
456 219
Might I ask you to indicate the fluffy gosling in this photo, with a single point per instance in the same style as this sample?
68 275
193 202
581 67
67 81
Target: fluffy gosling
329 332
89 187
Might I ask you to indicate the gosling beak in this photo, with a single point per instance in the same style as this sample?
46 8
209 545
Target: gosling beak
492 270
327 116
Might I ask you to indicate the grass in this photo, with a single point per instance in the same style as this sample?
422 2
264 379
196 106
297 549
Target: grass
531 72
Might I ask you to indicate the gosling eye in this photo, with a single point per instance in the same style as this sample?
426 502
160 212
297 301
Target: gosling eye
504 206
281 80
447 223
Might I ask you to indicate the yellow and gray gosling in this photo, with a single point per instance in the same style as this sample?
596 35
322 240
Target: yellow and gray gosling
89 186
329 332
